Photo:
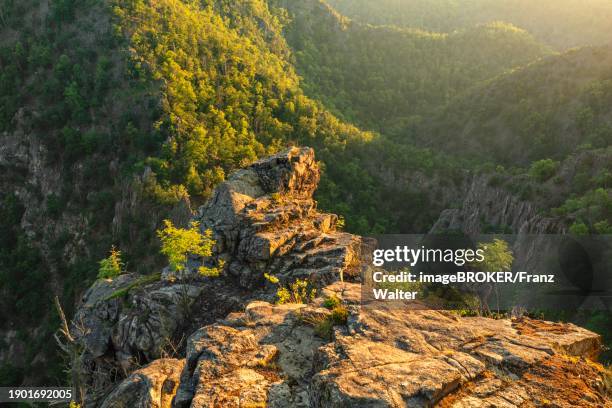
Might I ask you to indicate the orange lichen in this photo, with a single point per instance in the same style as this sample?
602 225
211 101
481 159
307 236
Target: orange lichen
526 326
557 381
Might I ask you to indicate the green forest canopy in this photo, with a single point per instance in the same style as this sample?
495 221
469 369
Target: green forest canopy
561 24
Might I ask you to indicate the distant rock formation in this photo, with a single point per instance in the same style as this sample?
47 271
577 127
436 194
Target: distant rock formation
497 207
182 340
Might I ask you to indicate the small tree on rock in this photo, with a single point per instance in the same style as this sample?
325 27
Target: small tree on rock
178 243
112 266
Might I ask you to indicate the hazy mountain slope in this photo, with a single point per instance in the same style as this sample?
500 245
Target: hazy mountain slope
559 23
383 77
63 100
544 110
547 131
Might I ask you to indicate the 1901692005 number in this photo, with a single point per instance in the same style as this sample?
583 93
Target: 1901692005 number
35 394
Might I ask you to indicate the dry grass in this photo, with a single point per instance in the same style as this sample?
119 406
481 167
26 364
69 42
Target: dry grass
323 324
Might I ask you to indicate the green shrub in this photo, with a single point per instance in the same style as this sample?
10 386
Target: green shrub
604 179
603 227
339 315
497 256
579 228
331 302
112 266
543 170
178 243
300 291
276 198
340 223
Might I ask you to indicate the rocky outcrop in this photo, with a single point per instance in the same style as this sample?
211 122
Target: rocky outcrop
152 386
393 356
127 322
488 209
234 347
270 355
488 206
264 220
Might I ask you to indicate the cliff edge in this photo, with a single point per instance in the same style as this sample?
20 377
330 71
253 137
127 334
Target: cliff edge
184 340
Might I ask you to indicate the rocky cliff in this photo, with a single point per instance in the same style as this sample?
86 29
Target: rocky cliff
183 340
484 205
502 202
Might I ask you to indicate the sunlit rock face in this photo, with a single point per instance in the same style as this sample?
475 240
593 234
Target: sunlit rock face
273 355
264 220
184 340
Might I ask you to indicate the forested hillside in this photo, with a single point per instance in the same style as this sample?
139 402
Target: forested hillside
386 78
544 110
490 97
561 24
535 120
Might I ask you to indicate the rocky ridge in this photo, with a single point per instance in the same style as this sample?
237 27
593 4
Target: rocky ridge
514 204
181 340
497 207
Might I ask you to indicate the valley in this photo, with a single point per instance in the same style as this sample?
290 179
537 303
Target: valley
118 114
